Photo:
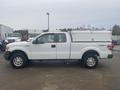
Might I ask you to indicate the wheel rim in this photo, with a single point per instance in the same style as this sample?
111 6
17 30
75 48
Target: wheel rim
18 61
91 62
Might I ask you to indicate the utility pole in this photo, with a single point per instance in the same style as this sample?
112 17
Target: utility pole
48 20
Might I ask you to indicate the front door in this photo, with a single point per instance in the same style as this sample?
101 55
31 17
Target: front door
44 48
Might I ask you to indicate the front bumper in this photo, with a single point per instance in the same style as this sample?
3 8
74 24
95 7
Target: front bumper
110 56
7 55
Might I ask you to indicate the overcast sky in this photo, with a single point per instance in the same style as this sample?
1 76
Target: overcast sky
31 14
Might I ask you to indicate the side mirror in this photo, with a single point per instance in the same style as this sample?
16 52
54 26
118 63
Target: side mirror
34 42
41 42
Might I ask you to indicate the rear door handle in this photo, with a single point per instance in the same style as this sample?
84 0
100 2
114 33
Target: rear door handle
53 46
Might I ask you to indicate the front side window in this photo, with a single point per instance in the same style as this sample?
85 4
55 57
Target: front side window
47 38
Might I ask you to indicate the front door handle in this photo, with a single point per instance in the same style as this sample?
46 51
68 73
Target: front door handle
53 46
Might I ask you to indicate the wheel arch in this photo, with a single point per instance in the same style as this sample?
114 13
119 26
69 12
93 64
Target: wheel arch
18 51
90 52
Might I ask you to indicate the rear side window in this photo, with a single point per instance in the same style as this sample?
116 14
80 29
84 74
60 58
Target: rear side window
61 38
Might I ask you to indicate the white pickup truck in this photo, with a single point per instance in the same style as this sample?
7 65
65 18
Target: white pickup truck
86 46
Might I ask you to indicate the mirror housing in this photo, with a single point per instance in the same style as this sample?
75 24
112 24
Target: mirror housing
41 42
34 42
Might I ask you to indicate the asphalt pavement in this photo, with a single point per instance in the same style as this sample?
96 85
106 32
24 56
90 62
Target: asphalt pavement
61 75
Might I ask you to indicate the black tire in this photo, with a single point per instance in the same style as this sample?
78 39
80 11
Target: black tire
18 60
90 61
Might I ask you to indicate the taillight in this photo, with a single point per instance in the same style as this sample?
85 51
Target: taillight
110 47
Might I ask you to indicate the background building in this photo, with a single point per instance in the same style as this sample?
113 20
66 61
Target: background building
4 31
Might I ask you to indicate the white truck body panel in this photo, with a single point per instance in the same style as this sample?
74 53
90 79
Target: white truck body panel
78 49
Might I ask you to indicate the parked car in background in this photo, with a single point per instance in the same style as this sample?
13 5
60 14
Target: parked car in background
2 45
114 42
13 37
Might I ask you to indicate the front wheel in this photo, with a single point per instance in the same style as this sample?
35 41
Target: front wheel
18 60
90 61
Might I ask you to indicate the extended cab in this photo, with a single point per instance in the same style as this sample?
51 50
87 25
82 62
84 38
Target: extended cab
86 46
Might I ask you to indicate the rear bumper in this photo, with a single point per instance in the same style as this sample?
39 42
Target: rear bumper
110 56
7 55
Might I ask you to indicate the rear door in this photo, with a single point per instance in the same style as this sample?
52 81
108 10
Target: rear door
63 46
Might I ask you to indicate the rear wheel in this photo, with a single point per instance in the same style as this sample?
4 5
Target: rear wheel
18 60
90 61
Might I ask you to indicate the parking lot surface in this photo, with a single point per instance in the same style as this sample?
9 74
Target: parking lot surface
60 75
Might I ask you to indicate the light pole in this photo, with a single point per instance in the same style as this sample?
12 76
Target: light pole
48 20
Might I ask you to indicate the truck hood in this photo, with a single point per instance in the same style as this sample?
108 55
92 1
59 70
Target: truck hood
23 43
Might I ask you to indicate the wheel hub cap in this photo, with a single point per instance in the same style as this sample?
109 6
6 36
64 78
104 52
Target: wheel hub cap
18 61
91 62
